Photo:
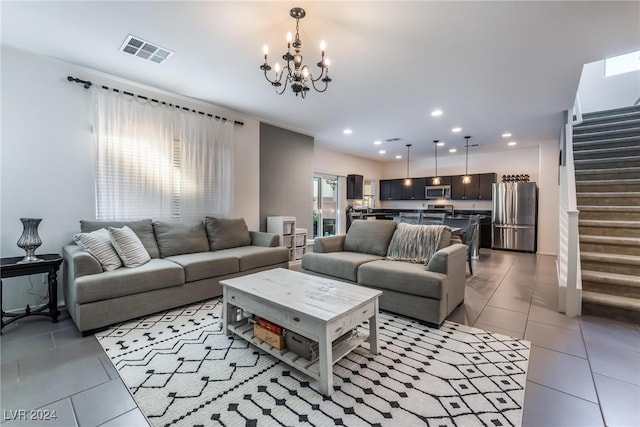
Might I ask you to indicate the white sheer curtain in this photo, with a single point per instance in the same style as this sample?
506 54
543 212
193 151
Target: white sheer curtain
206 166
155 161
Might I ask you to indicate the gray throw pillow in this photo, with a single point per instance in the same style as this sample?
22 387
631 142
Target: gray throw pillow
224 233
97 243
142 228
179 239
369 237
129 247
415 243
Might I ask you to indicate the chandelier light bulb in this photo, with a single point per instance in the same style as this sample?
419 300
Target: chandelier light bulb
277 67
327 62
305 72
265 50
289 37
323 46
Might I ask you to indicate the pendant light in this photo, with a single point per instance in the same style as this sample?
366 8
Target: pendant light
408 182
466 178
436 179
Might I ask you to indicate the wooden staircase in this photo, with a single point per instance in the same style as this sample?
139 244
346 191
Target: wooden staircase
607 161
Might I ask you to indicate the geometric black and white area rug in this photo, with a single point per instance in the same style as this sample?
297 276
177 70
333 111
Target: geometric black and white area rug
183 370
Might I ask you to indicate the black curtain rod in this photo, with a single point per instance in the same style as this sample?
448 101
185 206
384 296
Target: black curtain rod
87 84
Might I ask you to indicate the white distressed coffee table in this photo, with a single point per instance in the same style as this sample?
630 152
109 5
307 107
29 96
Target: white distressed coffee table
318 308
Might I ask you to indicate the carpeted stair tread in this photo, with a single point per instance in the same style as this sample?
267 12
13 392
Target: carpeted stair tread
632 181
610 161
615 258
607 150
629 121
611 278
623 141
609 240
619 170
589 208
614 133
625 303
608 194
609 223
613 112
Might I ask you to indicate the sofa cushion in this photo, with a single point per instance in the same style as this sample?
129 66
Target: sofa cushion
343 265
369 237
203 265
97 243
405 277
142 228
415 243
177 239
129 247
226 233
250 257
156 274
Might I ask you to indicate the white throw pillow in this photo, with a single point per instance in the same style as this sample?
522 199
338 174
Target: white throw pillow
129 247
97 243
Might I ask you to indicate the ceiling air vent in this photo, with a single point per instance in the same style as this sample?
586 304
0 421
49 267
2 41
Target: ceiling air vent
145 50
393 139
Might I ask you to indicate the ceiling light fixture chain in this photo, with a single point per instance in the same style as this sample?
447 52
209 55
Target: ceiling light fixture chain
295 73
466 178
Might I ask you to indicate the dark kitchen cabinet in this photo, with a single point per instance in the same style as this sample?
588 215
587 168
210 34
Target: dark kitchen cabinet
460 191
415 191
354 186
444 180
391 189
486 180
478 189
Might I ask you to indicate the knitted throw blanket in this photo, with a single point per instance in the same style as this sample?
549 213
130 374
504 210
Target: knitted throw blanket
414 243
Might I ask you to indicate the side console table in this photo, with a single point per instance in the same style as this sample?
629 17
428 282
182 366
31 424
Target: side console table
11 267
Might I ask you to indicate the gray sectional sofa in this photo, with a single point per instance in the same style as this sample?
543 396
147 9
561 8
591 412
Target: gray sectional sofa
427 293
187 263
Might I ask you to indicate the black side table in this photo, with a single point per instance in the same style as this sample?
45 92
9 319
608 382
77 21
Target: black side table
10 267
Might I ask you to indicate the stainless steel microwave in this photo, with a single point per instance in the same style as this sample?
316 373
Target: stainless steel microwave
437 192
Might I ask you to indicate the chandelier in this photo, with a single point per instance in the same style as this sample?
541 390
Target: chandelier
294 73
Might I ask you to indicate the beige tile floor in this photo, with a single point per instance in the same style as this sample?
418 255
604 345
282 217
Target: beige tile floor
582 372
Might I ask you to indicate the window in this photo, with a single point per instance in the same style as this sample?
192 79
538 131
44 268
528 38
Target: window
622 64
325 205
154 161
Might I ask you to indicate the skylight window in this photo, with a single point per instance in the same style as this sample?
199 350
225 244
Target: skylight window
622 64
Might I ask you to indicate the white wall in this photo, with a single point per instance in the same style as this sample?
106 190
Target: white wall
47 162
598 92
548 198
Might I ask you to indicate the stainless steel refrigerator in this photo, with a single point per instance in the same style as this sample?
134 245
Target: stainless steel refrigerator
514 216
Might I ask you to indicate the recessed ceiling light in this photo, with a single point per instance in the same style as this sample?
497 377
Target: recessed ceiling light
456 129
512 143
452 150
377 142
506 135
398 157
347 131
382 152
436 113
440 144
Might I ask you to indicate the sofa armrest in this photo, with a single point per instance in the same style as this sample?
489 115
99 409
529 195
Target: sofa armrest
329 244
440 262
260 238
80 262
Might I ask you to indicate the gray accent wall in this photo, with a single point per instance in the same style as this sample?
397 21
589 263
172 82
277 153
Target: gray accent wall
286 176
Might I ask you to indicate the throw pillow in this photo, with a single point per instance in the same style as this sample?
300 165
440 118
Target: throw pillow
369 237
178 239
224 233
143 229
128 246
97 243
415 243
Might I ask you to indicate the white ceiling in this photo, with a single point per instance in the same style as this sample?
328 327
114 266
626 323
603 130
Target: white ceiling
492 67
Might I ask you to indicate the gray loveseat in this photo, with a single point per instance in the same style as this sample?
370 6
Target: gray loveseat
427 293
187 263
